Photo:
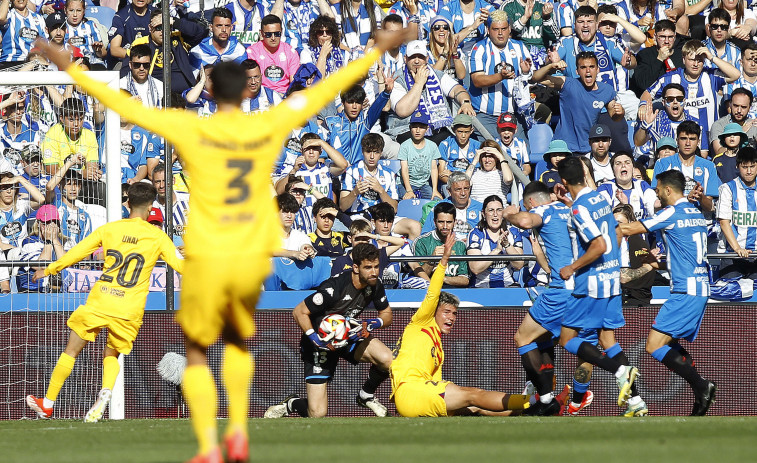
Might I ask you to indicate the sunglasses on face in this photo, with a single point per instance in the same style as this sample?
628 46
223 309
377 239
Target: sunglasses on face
440 27
268 35
136 65
298 191
323 32
5 187
719 27
670 99
158 28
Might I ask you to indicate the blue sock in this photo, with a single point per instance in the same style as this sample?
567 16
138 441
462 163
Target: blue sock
613 350
660 353
580 387
573 345
527 348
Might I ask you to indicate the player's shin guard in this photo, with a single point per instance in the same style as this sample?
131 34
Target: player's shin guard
238 367
530 358
61 372
376 376
680 365
110 371
591 354
201 396
616 352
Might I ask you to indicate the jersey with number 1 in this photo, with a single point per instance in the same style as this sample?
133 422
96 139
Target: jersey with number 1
684 230
131 247
591 218
229 164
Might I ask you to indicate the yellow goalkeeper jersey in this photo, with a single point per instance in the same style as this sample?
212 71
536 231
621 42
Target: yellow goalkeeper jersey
229 158
418 355
131 248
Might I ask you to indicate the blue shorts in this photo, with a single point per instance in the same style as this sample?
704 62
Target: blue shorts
681 316
549 308
589 313
591 336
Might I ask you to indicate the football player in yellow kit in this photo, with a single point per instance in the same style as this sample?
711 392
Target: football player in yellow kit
229 241
417 384
117 300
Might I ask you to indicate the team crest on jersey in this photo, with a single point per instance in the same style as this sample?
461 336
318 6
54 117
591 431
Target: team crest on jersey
536 16
471 215
136 136
698 171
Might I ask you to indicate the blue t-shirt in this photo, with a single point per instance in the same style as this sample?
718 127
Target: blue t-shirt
456 158
684 230
555 241
591 219
580 108
703 171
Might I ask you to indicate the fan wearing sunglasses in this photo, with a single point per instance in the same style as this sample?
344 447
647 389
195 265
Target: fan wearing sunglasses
718 34
442 45
278 61
657 124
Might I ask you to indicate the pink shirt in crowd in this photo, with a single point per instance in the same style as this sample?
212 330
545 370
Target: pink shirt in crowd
278 68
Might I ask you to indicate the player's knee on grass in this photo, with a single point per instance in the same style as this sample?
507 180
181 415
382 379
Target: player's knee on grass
318 405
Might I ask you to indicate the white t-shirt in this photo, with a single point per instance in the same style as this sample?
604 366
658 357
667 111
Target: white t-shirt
602 172
296 240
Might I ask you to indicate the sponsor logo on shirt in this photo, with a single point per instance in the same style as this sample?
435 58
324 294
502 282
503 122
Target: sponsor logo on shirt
274 73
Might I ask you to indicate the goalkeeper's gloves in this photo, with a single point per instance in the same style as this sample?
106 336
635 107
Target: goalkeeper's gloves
358 330
319 343
374 323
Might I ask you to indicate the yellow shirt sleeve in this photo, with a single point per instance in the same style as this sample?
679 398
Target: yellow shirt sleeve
91 153
296 110
162 122
82 249
427 310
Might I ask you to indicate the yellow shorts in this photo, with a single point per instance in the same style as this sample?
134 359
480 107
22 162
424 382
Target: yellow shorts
421 398
216 293
87 322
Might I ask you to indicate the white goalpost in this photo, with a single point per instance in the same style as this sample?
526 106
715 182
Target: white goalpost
32 324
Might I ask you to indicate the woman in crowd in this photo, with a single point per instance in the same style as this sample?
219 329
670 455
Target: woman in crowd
492 176
322 48
442 45
14 212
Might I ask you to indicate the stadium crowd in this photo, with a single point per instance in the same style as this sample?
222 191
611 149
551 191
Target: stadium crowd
437 139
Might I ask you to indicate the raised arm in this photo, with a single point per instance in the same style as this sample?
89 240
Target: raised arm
427 309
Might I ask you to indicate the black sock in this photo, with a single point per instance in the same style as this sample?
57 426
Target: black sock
623 359
299 406
591 354
684 367
547 369
376 376
531 362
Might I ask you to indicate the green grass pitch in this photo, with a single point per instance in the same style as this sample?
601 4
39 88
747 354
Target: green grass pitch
397 440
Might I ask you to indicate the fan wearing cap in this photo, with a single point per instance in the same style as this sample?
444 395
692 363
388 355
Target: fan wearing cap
45 242
444 54
419 162
495 62
15 211
155 217
420 88
18 129
69 138
732 139
56 29
31 160
20 27
511 145
600 139
556 152
458 150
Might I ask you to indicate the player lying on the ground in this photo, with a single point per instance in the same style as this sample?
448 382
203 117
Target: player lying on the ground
684 230
417 384
347 294
117 301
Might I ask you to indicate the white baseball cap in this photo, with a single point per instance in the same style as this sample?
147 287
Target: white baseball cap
6 166
416 47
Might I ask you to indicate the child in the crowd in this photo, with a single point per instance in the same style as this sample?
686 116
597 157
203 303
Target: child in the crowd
419 158
326 241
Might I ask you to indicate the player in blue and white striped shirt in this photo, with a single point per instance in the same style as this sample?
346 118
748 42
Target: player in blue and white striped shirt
737 212
595 303
684 230
20 28
702 85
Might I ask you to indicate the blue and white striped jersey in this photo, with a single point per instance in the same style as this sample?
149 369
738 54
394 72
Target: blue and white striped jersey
19 33
180 212
304 220
703 171
13 223
592 219
641 197
425 13
457 158
205 53
555 241
487 58
356 33
264 100
75 223
83 36
319 177
31 134
358 172
738 203
517 150
499 274
453 11
246 23
743 83
701 95
731 54
609 53
684 231
565 12
137 145
663 126
297 24
345 135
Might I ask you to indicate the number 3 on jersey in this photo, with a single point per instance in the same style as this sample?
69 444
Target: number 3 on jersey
239 186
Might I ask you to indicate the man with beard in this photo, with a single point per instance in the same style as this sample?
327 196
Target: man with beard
180 200
582 98
748 79
599 140
738 108
220 46
432 244
627 190
658 124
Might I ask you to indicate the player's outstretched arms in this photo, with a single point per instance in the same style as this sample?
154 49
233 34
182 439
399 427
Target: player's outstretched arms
427 309
83 249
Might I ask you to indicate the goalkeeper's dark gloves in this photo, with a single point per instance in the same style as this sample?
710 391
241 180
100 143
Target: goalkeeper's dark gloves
319 343
358 330
374 323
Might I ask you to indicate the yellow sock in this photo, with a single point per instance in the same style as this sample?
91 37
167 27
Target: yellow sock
201 396
238 367
61 372
516 401
110 371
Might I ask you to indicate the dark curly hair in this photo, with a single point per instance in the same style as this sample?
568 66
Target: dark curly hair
324 22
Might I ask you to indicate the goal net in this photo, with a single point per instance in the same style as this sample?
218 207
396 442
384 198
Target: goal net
60 178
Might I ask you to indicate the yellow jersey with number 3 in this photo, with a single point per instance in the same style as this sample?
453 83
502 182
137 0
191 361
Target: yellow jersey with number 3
419 355
131 248
229 158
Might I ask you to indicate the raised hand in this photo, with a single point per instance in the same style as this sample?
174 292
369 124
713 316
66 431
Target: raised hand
525 65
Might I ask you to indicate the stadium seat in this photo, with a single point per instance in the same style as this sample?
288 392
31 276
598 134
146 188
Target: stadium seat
411 208
539 137
101 14
391 164
539 169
